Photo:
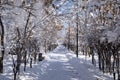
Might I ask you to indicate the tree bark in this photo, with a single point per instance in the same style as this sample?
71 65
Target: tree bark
2 46
77 32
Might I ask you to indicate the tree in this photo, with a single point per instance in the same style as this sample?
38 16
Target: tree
2 42
2 46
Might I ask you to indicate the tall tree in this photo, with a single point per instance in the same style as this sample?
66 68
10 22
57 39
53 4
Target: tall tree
77 29
2 42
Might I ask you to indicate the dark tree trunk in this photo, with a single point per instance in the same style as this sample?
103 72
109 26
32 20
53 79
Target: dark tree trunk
35 56
25 60
15 76
2 44
45 46
69 39
99 58
77 24
30 62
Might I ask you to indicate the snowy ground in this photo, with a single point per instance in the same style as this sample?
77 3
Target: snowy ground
58 65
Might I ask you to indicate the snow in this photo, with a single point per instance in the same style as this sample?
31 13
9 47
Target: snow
58 65
61 49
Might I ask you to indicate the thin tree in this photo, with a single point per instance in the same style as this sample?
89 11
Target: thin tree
2 42
77 31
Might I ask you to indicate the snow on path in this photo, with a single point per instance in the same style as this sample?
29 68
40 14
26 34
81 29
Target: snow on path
63 65
68 67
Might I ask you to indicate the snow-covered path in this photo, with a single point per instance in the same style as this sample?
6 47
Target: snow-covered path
60 65
63 65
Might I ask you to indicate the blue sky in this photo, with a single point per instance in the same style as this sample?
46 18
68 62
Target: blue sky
64 6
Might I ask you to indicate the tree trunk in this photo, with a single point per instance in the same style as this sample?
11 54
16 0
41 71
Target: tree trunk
30 62
25 60
15 75
2 46
77 24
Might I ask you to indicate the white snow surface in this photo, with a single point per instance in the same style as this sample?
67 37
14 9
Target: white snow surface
58 65
60 49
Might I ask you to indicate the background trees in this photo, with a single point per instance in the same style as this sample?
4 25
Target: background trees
28 27
97 25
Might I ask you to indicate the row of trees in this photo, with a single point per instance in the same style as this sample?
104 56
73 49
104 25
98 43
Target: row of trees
103 38
97 30
26 28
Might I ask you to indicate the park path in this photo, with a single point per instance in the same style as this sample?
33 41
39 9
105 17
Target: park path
63 65
59 64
